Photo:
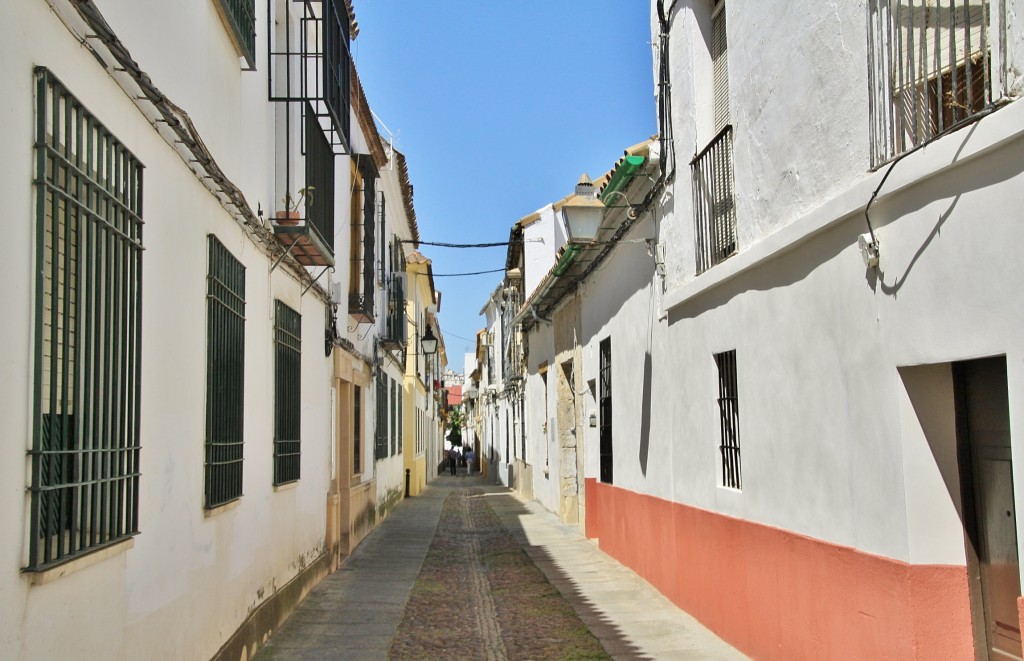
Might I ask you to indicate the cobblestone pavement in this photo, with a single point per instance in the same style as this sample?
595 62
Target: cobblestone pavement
479 596
467 570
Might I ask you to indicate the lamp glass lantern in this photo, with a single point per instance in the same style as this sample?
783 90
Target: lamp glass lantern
583 213
428 342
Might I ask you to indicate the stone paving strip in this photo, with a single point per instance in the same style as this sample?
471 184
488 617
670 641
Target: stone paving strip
467 570
479 596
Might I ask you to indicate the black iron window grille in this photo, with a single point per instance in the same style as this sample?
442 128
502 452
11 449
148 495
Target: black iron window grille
357 430
383 270
380 438
932 64
225 374
362 287
320 182
394 335
400 415
605 407
392 406
714 202
310 61
240 17
85 433
287 393
729 414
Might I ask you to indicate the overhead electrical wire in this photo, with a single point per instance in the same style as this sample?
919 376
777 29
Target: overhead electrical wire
495 244
456 275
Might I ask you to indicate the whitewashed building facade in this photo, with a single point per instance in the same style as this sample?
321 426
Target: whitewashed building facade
188 410
800 404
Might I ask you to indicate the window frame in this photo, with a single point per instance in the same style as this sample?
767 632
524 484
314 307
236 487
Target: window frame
606 444
225 376
239 17
906 81
84 493
729 419
287 394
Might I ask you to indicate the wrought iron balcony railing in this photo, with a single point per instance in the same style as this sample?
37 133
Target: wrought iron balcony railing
714 207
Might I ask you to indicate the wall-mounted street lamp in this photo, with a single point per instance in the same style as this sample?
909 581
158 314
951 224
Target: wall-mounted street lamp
583 212
428 342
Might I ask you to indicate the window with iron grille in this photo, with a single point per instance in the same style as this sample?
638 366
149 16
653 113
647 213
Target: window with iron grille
712 169
401 416
337 63
319 200
392 404
357 429
84 486
287 393
380 438
225 374
932 64
361 282
729 415
240 18
605 408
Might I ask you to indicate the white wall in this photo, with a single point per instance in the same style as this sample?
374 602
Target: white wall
190 579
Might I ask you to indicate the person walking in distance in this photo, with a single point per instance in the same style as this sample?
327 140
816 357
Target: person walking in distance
453 459
470 457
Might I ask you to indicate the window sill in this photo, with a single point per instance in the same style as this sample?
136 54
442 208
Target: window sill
287 486
209 512
70 567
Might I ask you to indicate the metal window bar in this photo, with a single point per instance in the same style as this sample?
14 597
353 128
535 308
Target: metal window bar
931 64
85 435
309 60
380 439
394 328
400 420
714 205
319 177
361 298
391 417
225 375
605 408
357 429
729 414
287 393
241 18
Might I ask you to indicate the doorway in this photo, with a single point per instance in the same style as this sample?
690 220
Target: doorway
986 473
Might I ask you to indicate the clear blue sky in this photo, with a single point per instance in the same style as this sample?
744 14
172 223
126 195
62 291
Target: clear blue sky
499 106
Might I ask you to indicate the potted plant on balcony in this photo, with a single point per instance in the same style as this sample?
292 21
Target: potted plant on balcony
290 214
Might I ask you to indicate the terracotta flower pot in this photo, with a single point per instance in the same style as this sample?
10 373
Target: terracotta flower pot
286 217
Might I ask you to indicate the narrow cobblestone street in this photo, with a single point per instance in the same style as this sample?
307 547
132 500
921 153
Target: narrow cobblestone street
469 571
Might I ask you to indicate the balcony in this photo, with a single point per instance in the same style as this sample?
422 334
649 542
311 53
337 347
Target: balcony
309 237
310 63
714 207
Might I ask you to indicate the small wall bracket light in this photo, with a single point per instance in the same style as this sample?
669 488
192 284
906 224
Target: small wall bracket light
868 245
428 342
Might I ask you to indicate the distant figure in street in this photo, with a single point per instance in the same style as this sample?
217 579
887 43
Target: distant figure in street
470 457
453 460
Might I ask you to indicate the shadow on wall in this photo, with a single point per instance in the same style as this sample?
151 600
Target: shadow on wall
1004 165
645 414
821 248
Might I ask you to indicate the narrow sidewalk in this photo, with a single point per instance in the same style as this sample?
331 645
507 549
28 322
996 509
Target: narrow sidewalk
354 613
626 613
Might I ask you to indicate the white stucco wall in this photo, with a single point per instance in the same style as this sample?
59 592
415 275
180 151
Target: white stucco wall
189 579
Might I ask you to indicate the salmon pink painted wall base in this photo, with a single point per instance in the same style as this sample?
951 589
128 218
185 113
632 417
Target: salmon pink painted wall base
775 594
